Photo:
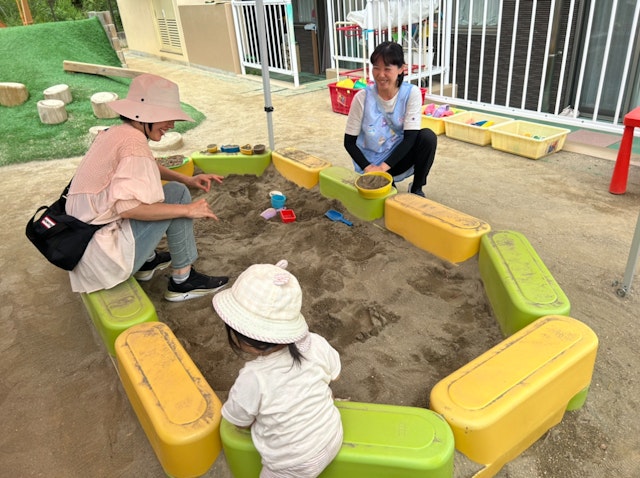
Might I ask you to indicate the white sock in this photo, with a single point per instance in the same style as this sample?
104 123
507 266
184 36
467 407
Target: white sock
180 278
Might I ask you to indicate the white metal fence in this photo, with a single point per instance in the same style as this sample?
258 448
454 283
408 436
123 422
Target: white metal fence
564 61
281 51
359 26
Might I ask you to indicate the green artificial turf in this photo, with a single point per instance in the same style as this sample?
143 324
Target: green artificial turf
34 55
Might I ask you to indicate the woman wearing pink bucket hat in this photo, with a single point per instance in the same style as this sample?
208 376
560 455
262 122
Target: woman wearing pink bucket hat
119 184
283 394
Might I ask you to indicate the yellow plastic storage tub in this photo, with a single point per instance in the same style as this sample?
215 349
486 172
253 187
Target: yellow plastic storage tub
175 405
187 167
460 126
438 229
437 124
501 402
299 167
531 140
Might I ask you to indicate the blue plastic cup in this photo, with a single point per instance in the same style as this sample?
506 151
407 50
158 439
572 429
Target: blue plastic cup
278 201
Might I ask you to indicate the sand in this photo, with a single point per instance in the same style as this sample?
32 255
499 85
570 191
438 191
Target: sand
401 318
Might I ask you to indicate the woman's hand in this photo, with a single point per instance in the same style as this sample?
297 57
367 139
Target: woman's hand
200 181
160 211
203 181
200 209
384 167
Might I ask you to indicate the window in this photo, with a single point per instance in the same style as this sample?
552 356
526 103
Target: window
475 10
167 26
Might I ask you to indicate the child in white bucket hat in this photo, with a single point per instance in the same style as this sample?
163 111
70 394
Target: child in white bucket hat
283 394
118 185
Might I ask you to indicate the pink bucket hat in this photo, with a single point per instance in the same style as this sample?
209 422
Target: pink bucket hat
151 99
264 304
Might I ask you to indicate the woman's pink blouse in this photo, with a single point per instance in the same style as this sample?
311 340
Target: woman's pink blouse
118 173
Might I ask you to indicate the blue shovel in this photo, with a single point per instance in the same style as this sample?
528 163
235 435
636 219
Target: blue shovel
336 216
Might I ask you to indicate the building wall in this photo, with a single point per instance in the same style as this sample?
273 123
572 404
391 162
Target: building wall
139 23
209 36
206 32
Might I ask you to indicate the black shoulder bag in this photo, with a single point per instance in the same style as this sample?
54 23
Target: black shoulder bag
61 238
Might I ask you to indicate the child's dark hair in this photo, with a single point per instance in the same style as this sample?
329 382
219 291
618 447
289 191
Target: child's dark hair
391 54
258 345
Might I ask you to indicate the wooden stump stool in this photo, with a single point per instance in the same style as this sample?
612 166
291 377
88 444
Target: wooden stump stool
170 141
100 104
58 92
13 94
52 111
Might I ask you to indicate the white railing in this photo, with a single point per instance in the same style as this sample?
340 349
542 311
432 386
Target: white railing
359 27
563 61
281 52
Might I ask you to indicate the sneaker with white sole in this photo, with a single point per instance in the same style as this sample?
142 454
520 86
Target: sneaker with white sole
196 285
160 262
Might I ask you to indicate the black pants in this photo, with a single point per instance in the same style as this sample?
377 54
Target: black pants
420 156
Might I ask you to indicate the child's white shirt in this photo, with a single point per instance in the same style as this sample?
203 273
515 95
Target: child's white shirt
290 408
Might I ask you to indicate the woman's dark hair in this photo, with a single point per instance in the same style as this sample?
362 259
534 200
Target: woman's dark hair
258 345
391 54
145 126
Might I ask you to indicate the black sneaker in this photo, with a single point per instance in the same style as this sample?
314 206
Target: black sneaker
417 192
160 262
196 285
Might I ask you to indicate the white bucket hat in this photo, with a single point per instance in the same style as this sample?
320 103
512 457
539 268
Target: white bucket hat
264 304
151 99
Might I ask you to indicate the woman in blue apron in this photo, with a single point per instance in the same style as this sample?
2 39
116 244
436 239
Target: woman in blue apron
383 131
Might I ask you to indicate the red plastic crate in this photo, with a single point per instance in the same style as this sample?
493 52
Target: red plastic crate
341 98
424 92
